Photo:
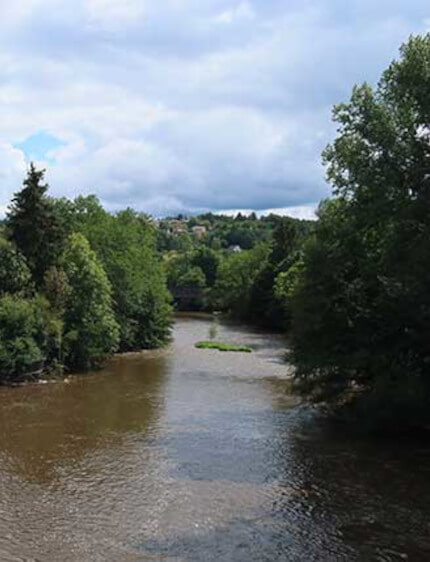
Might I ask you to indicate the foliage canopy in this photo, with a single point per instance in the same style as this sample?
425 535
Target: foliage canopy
362 304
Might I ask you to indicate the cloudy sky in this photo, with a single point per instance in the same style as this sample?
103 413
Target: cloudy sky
184 105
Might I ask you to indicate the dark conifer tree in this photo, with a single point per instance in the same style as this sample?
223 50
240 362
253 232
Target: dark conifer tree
32 225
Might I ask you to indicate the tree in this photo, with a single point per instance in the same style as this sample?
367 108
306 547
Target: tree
236 275
15 276
57 289
91 331
268 308
208 261
20 352
32 225
286 283
362 303
190 290
125 244
186 281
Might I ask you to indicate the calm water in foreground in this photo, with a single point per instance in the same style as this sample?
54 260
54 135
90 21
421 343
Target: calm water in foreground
199 455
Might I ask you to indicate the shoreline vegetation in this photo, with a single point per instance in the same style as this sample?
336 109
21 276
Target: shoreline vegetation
77 284
352 288
49 376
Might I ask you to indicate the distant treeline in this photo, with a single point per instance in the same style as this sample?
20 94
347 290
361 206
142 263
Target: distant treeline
209 272
218 232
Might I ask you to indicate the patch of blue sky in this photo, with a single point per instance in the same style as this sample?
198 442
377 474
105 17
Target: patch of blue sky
40 146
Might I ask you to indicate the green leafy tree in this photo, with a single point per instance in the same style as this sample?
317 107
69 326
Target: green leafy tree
176 265
141 295
57 289
186 281
57 292
91 331
208 261
286 283
191 289
181 242
15 275
32 225
267 307
236 276
20 352
125 244
362 304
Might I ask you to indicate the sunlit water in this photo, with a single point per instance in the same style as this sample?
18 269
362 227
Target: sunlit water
195 455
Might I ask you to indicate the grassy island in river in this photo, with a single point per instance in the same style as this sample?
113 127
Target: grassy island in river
222 346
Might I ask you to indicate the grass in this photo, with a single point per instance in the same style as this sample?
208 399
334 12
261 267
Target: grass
222 346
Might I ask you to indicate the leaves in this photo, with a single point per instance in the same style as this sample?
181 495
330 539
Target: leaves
89 314
361 303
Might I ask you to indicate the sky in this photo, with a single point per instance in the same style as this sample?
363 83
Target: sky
184 106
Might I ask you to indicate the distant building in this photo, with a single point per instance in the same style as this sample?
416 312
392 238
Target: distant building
199 231
178 226
234 249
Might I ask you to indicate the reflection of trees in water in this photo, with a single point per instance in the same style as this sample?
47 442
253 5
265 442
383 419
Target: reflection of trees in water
350 494
45 427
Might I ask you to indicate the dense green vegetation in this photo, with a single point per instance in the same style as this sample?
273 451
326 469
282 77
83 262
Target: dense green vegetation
361 300
220 346
237 281
21 336
219 231
76 283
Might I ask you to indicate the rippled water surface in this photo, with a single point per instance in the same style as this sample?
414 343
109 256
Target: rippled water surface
199 455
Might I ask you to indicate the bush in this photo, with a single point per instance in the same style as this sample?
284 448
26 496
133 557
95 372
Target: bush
20 329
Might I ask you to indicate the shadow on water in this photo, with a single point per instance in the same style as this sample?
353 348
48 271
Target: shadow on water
367 497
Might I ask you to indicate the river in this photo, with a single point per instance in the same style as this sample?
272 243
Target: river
189 455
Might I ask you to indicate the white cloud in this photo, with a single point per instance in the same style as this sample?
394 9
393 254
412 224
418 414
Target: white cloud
12 170
12 13
113 13
163 108
307 212
242 11
300 212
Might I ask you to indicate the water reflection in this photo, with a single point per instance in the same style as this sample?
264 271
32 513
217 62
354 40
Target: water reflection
369 496
45 427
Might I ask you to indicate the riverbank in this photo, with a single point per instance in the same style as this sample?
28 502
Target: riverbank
212 318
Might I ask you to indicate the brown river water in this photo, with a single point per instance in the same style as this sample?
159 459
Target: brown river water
191 454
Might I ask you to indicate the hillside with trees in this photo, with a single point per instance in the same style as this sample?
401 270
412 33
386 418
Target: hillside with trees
211 270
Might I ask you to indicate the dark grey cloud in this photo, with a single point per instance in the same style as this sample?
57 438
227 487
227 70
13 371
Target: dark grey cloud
188 105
